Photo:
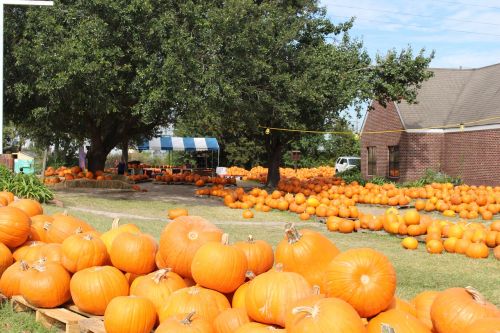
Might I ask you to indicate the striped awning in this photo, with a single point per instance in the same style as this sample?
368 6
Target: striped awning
180 144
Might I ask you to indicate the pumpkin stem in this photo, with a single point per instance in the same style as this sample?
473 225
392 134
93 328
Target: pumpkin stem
40 266
476 295
46 226
311 310
250 239
24 265
189 318
88 237
316 290
114 224
278 267
79 230
292 233
386 328
65 212
160 274
250 275
225 239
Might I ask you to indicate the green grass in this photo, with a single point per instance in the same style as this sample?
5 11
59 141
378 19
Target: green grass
19 322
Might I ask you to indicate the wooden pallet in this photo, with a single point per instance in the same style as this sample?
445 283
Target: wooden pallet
68 319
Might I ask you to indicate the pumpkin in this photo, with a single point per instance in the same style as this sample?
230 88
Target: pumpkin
399 321
496 252
461 245
477 251
230 320
434 246
346 226
157 286
51 252
247 214
206 303
259 253
305 252
401 304
14 226
45 285
29 251
190 323
109 236
181 238
129 314
93 288
362 277
6 258
8 196
316 316
409 243
11 278
176 212
219 266
449 244
258 328
37 232
239 296
134 253
83 251
456 308
485 325
29 206
64 226
423 303
270 294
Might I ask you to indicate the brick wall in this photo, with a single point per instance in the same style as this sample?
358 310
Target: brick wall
380 119
418 152
474 156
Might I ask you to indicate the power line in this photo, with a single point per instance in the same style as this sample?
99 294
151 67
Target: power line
416 15
420 26
466 4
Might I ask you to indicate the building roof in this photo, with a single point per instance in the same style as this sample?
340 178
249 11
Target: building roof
455 96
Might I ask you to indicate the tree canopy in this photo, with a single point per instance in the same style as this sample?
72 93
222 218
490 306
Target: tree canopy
113 71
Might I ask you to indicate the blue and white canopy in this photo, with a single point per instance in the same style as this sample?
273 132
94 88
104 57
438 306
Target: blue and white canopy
180 144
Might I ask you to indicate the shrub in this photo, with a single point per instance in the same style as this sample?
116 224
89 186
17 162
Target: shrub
352 175
24 186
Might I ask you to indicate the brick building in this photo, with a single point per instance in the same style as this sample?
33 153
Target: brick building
428 135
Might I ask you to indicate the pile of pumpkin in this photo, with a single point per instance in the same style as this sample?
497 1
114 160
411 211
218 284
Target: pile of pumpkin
260 173
54 176
193 280
329 196
197 180
471 239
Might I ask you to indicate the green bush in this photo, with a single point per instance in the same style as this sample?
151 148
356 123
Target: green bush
24 186
430 177
352 175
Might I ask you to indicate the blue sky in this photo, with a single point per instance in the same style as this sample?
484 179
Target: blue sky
462 32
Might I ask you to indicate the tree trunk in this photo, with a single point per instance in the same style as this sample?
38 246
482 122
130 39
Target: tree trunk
97 156
274 161
125 152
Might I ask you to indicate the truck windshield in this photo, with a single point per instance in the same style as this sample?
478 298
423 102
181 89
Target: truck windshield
355 161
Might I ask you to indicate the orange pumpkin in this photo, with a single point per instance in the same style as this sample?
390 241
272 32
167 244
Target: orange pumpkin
204 302
423 302
11 278
129 314
93 288
157 286
259 254
134 253
176 212
64 226
398 320
181 239
6 258
83 251
409 243
29 206
14 226
305 252
485 325
362 277
316 316
230 320
477 250
271 293
109 236
185 324
455 309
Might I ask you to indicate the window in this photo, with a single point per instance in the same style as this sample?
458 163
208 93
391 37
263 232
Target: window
393 161
355 161
372 161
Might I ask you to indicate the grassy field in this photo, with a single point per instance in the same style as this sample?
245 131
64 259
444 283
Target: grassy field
416 270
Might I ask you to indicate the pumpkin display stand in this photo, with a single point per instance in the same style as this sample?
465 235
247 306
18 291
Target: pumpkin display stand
67 319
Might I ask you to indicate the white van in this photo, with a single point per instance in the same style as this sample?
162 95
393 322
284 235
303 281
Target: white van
344 163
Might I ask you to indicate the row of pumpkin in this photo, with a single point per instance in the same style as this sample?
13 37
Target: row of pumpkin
326 199
194 279
472 239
